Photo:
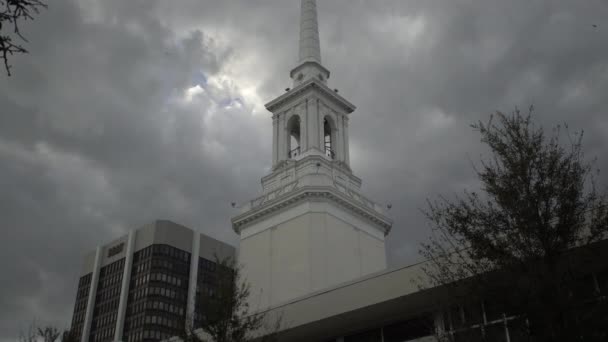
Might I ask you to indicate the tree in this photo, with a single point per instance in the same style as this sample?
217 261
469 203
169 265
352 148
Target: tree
525 240
46 334
12 12
225 314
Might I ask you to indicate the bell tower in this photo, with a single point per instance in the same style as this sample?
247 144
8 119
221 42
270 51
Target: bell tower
312 228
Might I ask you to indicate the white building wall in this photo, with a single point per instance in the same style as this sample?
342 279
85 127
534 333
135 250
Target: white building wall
311 250
255 254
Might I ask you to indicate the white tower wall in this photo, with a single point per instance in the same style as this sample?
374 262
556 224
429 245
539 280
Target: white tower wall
317 246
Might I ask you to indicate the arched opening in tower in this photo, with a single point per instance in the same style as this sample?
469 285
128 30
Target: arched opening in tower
329 137
293 140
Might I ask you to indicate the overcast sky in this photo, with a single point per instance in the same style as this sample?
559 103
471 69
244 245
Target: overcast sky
129 111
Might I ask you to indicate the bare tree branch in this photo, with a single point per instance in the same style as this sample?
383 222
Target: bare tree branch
12 12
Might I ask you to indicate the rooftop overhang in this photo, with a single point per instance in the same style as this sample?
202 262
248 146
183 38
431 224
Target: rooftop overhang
309 85
379 299
305 193
395 295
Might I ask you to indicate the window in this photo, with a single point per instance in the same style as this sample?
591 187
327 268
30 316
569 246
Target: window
293 137
367 336
408 330
468 335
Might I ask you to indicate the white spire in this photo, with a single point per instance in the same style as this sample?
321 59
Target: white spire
310 50
309 63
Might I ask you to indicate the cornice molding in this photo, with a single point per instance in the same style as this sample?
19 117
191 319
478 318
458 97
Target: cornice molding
311 84
307 193
288 164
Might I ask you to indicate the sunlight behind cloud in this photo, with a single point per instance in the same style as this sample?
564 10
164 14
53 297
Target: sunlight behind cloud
192 92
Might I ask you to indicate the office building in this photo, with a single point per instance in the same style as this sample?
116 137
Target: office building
144 286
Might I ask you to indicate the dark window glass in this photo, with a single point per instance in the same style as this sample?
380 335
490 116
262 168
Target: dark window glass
468 335
80 306
456 316
472 313
518 330
155 265
583 288
602 281
408 330
106 301
496 332
368 336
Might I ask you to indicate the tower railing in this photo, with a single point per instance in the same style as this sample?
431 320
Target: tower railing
329 152
295 152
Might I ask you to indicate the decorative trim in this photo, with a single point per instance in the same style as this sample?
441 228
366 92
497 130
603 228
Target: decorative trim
311 84
311 63
305 193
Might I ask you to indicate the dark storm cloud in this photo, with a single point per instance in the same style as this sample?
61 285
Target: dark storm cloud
99 132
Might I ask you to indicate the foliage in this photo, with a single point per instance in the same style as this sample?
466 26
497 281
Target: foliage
227 314
512 241
12 12
46 334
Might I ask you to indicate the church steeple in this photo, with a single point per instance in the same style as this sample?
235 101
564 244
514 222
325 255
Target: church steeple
309 62
312 228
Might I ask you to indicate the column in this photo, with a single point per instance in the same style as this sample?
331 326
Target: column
124 289
338 145
282 139
275 140
320 127
303 131
88 318
313 113
346 148
192 282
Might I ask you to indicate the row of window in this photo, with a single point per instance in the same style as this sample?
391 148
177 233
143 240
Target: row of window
514 329
167 307
176 267
108 293
80 306
206 265
398 332
140 277
107 301
106 307
168 322
149 334
111 279
165 321
169 279
81 303
205 290
162 250
172 252
105 335
83 291
115 267
159 291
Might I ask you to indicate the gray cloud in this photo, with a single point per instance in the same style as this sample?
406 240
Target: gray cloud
99 132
